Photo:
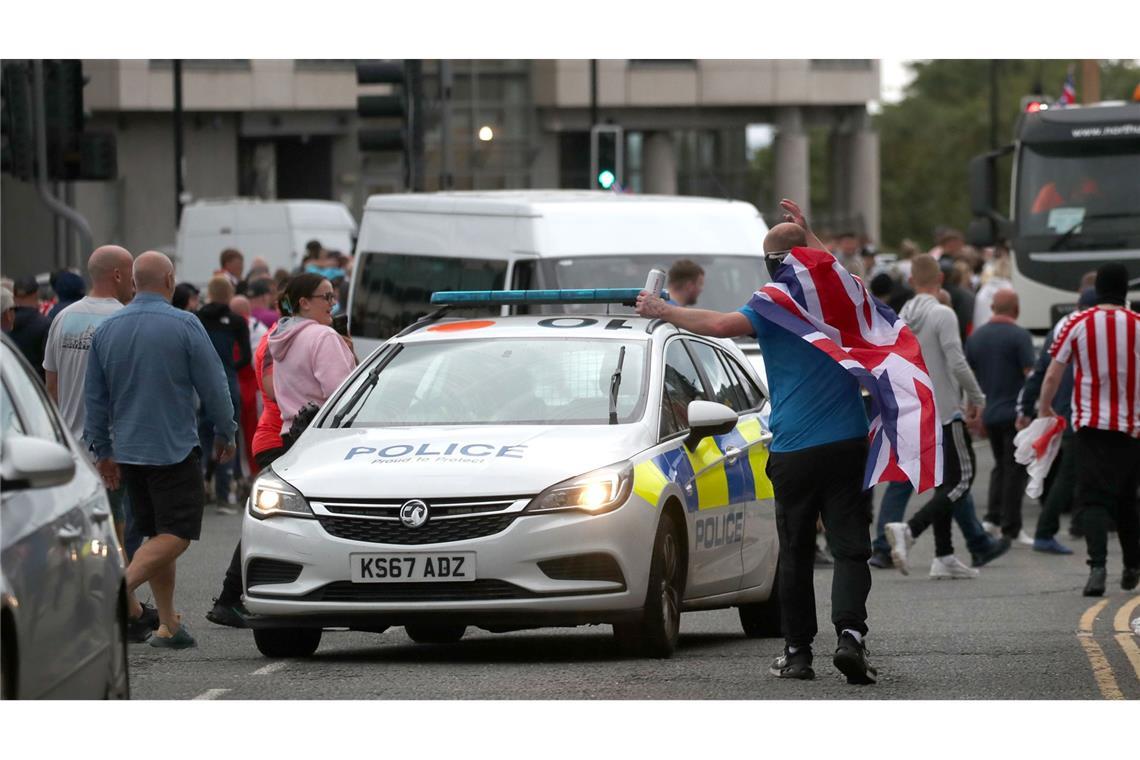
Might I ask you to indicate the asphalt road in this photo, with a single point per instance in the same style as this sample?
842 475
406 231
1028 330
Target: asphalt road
1014 633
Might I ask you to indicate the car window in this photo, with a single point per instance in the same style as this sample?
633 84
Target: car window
744 383
393 290
9 420
682 385
723 390
32 403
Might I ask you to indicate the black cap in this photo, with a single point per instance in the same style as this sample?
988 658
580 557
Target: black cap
1112 283
25 286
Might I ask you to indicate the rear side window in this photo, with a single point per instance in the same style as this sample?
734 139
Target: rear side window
393 290
32 403
682 385
724 389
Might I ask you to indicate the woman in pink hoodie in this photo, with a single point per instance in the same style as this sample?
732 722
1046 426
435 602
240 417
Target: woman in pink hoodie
310 359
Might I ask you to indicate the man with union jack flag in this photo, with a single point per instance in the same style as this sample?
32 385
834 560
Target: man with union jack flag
822 336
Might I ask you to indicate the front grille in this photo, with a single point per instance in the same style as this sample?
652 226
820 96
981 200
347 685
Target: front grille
347 591
261 571
433 532
390 508
583 567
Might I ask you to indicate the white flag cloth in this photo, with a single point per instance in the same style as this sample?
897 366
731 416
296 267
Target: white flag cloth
1036 447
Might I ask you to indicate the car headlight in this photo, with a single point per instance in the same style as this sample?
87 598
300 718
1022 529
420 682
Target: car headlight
272 496
602 490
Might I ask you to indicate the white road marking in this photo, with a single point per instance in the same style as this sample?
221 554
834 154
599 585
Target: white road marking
272 667
211 694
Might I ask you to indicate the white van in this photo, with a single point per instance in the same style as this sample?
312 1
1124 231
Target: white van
274 230
413 245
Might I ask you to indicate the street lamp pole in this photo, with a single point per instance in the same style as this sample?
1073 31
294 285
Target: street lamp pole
177 111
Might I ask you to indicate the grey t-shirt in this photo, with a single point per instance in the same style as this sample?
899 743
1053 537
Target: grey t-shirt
68 344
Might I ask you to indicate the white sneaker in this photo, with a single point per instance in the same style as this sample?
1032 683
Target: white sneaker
951 567
1024 539
227 509
991 528
900 539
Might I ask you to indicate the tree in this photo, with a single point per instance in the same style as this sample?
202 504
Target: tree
928 138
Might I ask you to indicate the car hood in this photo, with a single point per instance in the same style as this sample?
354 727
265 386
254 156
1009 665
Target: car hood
441 462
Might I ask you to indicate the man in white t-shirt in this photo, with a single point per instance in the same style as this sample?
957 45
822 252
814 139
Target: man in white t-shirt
69 341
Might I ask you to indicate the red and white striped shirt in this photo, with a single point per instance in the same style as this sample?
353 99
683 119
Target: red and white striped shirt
1104 345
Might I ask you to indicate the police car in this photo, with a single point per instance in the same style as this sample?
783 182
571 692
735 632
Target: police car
515 472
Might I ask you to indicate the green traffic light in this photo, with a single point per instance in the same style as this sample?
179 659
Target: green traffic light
606 179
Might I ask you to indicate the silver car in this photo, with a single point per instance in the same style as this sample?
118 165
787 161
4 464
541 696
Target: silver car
515 472
63 590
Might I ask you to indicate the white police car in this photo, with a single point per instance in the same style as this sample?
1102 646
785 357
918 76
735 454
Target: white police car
517 472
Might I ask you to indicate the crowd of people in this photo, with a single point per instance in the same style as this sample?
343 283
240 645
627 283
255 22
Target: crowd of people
177 393
242 359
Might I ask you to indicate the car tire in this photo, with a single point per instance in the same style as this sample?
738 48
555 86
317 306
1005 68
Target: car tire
435 634
287 642
761 620
655 634
118 677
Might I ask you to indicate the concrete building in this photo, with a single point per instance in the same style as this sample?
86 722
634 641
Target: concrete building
287 129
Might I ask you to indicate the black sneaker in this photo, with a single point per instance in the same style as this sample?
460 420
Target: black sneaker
797 665
139 629
1129 578
998 547
1098 577
851 660
881 560
231 615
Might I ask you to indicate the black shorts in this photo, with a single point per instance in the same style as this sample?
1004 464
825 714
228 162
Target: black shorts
167 499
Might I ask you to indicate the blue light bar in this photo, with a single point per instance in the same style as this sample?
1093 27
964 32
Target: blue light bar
627 296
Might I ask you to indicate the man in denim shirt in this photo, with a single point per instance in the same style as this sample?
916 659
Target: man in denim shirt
146 361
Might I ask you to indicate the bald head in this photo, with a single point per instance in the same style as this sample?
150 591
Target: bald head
1005 303
240 305
154 273
110 270
784 237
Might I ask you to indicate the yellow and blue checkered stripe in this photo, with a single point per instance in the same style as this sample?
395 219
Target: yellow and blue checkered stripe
741 481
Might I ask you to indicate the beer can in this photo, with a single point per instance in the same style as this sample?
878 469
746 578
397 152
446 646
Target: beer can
655 283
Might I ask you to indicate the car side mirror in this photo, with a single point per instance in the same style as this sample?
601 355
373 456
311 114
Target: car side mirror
27 462
708 418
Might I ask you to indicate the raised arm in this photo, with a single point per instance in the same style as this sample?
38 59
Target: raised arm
793 214
715 324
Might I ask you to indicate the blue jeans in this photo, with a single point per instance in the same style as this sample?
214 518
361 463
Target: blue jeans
893 509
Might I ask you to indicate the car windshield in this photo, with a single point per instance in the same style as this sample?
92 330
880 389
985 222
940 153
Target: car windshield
523 381
729 280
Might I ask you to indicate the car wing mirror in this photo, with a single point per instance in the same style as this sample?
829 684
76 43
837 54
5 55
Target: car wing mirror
708 418
27 462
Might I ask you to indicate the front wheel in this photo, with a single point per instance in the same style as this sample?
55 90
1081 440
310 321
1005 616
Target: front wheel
761 620
287 642
655 634
118 677
435 634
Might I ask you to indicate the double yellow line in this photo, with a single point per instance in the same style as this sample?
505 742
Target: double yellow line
1102 670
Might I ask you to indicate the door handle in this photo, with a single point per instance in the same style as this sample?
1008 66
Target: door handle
766 438
731 454
100 515
68 533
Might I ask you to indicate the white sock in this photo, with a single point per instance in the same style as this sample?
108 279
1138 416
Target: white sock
793 650
854 634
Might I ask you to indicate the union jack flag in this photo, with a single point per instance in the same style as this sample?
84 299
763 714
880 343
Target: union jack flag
814 297
1069 91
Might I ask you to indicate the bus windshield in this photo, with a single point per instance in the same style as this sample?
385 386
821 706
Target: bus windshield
1081 192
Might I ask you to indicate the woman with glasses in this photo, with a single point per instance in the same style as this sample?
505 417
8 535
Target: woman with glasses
310 358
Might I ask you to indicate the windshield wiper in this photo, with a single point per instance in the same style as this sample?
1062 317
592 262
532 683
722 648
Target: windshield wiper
615 383
364 389
1073 230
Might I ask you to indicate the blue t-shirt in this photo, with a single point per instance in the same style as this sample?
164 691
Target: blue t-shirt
814 400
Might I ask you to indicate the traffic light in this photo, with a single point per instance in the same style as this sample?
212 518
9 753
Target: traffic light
606 156
63 117
17 144
393 107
